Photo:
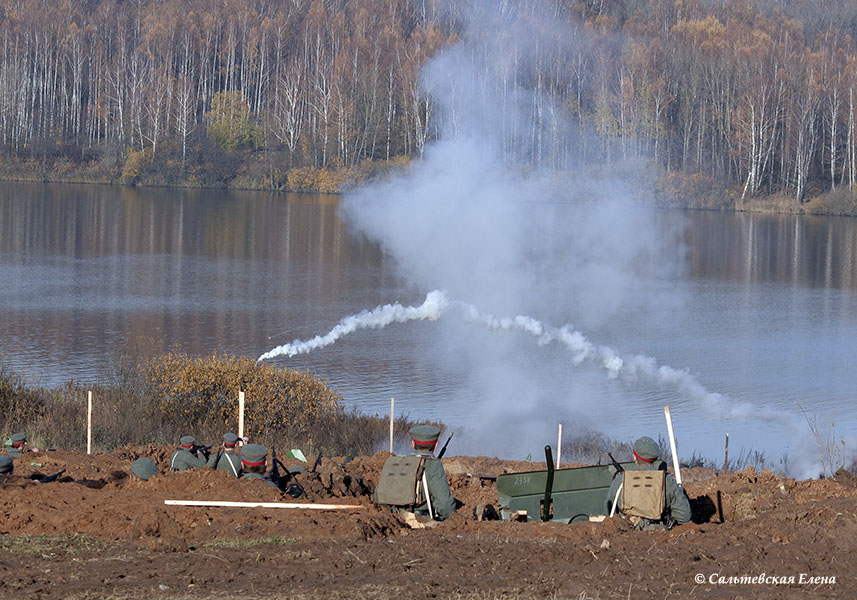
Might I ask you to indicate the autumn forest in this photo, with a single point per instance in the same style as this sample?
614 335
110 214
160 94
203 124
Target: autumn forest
733 99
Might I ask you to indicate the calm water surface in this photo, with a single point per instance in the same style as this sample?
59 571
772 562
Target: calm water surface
766 313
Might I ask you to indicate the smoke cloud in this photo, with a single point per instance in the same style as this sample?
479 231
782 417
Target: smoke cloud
499 215
630 369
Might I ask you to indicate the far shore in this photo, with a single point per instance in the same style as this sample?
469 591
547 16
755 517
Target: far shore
669 190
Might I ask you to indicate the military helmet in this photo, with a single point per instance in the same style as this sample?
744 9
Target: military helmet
144 468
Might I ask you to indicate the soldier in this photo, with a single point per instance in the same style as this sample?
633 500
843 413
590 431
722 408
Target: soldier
647 494
424 442
187 456
226 459
7 465
143 468
16 449
253 457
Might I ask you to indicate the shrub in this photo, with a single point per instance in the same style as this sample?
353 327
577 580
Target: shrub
840 201
229 123
691 190
156 400
136 164
19 405
196 392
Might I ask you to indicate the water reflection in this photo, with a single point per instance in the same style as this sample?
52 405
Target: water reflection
794 250
767 311
86 268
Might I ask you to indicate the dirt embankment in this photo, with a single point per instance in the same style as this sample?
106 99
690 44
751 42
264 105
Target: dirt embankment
96 533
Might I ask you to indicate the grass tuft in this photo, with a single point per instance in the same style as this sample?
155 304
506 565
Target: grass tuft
242 543
49 545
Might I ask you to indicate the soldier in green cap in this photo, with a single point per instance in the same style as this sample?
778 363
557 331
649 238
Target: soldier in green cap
16 448
253 463
424 442
647 494
186 456
143 468
226 459
7 465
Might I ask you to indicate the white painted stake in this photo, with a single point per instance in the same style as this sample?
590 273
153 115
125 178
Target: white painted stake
672 444
428 495
226 503
558 445
89 423
240 414
392 404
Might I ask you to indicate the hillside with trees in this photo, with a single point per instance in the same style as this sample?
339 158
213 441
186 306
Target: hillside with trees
730 102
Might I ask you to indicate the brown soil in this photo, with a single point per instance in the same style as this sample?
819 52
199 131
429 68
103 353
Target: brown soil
95 533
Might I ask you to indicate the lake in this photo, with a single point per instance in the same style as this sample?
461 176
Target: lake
760 314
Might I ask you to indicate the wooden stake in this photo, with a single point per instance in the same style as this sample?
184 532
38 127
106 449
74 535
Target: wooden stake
241 414
672 444
392 405
558 444
89 423
719 507
226 503
726 454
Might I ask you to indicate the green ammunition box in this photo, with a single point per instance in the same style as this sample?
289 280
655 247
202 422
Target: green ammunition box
576 493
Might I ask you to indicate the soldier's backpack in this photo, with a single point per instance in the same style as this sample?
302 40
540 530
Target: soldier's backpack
400 484
644 493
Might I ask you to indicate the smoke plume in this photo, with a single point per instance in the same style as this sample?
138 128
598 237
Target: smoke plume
503 213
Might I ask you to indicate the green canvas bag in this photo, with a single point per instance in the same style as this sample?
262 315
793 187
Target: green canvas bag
400 484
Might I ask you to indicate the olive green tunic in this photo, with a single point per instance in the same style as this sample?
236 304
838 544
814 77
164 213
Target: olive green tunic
183 459
225 460
442 502
264 479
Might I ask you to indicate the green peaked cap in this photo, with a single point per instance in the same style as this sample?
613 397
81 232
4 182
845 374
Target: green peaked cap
254 453
425 433
6 464
646 448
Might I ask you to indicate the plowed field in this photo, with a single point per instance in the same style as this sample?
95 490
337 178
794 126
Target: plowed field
95 533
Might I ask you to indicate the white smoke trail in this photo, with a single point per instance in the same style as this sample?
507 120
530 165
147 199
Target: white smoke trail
640 367
431 309
630 369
